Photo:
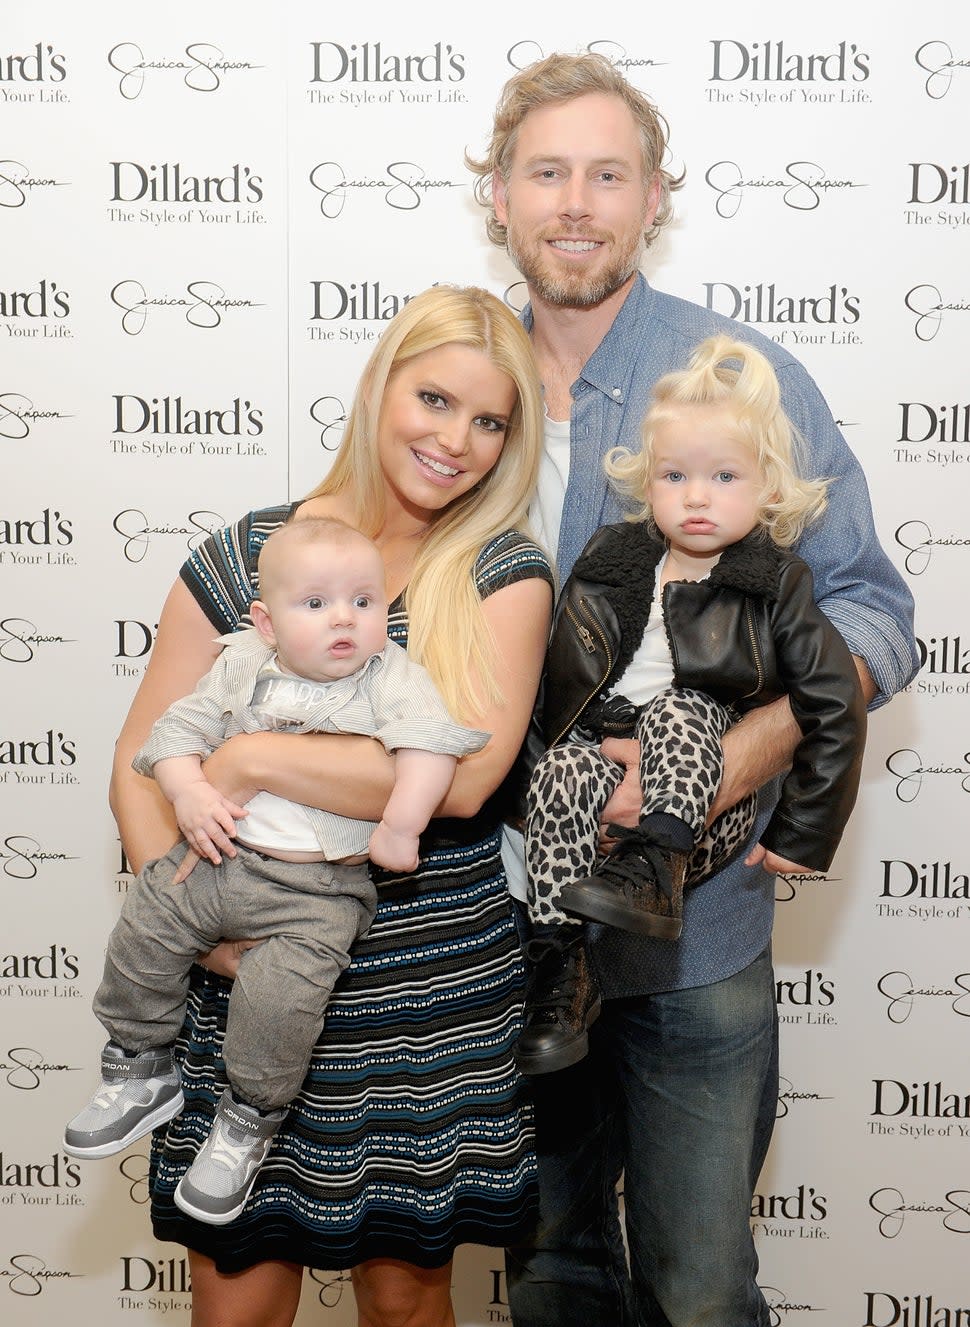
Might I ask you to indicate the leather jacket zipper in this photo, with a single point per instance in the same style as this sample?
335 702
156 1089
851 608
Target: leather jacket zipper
593 638
755 650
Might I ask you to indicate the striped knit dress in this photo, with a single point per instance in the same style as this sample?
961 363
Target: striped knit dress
412 1132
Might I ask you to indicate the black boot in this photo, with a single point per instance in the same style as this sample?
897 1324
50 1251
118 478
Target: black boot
562 1002
639 887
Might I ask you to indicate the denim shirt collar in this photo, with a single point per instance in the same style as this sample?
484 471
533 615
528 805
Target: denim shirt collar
610 367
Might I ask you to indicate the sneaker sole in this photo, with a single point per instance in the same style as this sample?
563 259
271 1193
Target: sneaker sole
161 1115
533 1063
595 907
212 1218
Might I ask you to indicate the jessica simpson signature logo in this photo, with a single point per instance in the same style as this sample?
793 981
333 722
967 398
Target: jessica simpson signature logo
527 52
202 71
804 184
17 413
900 992
26 1274
788 1095
937 59
204 306
132 524
892 1208
917 538
929 306
403 186
19 639
908 768
329 412
24 1068
16 182
25 856
779 1303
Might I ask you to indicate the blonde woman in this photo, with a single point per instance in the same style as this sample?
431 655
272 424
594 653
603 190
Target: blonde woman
669 629
410 1134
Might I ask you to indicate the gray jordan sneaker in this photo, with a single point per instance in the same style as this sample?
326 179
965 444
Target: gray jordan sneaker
137 1093
217 1184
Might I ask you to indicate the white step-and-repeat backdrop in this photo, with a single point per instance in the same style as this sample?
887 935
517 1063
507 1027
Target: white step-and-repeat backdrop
207 213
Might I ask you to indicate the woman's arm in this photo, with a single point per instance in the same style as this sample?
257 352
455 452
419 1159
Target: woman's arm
353 776
184 650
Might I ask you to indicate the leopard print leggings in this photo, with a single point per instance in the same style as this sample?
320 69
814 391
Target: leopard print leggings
681 764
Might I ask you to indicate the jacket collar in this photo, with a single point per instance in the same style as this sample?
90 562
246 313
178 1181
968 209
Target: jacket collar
623 556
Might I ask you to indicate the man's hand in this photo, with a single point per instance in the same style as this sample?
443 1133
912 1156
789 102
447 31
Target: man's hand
626 803
773 864
207 820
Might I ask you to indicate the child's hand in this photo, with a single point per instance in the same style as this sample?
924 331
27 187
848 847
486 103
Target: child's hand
395 850
773 864
208 820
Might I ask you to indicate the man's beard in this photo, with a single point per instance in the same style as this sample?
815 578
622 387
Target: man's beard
573 290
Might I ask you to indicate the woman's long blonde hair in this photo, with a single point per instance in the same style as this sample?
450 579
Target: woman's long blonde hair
724 372
447 631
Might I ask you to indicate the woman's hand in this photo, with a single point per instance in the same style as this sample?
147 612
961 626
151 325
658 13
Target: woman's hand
224 959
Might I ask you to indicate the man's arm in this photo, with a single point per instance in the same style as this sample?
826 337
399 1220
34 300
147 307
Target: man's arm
757 749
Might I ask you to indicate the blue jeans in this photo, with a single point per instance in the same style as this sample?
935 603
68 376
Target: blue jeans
678 1094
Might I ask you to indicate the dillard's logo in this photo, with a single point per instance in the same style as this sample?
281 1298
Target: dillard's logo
43 531
810 989
804 184
764 303
938 61
55 964
370 62
802 1205
943 654
929 306
925 880
168 415
772 62
908 769
136 532
17 413
16 182
524 53
42 65
47 751
921 422
932 183
44 302
899 991
171 182
203 69
60 1172
891 1208
402 185
357 301
329 412
165 1275
918 1100
886 1310
917 538
204 306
